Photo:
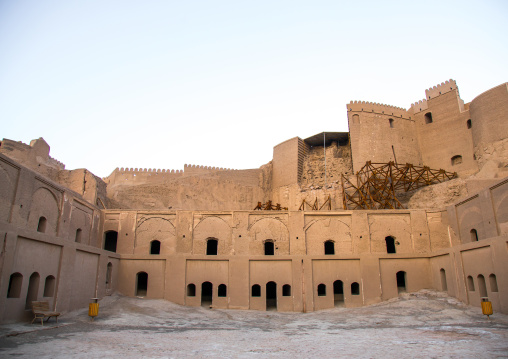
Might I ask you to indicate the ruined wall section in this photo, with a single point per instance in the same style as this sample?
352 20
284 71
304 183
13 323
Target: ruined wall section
34 156
288 158
443 133
381 133
338 161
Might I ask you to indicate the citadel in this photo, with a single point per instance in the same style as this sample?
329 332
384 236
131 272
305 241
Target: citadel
406 200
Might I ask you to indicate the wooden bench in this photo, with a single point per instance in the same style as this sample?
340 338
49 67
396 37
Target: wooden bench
41 310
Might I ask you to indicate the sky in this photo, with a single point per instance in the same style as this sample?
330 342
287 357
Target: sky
160 84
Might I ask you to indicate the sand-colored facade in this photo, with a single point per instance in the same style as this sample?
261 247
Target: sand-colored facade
192 237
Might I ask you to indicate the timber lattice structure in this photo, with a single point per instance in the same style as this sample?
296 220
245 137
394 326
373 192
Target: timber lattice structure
377 184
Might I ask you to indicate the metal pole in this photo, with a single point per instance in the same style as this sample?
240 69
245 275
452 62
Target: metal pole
324 150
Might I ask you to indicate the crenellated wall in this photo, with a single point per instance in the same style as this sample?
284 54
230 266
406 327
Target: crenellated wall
381 133
440 118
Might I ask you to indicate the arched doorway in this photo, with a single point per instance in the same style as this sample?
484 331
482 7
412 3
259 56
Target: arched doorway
141 284
206 294
211 247
329 247
271 296
390 244
401 282
338 293
444 285
33 289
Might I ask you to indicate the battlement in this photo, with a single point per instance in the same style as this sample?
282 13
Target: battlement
379 108
197 168
146 170
443 88
420 106
57 163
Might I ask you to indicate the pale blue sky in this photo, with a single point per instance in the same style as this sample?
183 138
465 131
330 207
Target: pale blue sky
156 84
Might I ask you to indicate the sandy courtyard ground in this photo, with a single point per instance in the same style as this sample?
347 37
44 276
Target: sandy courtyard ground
419 325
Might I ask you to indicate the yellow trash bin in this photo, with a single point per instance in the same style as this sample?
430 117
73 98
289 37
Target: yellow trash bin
486 307
93 308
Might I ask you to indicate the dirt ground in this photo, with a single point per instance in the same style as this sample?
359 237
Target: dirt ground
426 324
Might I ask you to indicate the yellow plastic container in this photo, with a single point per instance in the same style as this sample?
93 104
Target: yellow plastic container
487 307
93 308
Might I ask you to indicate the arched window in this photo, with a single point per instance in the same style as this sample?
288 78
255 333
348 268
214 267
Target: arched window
222 291
141 284
391 122
49 286
329 247
321 290
256 290
269 248
109 275
41 226
470 284
390 244
401 281
474 235
286 290
110 239
78 235
355 288
211 247
482 287
15 282
356 119
456 160
155 247
33 289
428 117
444 286
191 290
469 124
493 283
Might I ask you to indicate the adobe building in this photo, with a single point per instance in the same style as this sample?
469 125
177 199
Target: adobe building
192 236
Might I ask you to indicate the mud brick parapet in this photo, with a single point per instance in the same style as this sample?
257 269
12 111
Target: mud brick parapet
445 87
136 175
420 106
378 108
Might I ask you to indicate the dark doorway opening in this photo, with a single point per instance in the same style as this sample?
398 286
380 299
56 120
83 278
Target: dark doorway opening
401 282
271 296
211 247
206 294
269 248
141 284
110 240
444 286
390 244
155 247
338 293
329 247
